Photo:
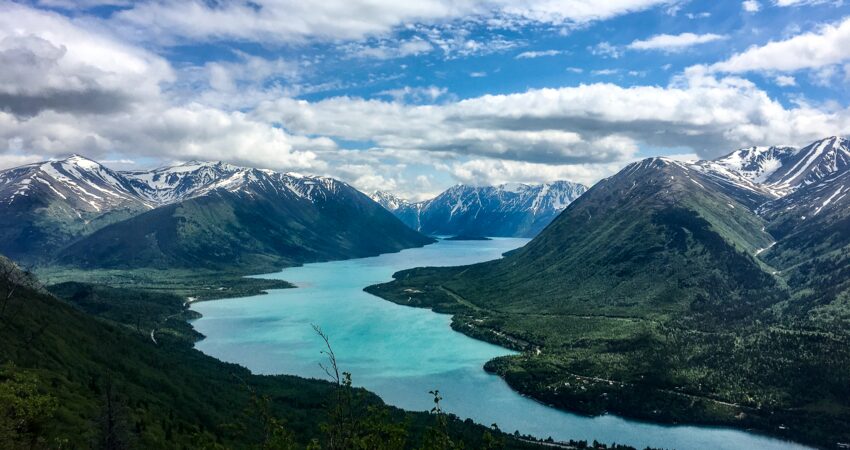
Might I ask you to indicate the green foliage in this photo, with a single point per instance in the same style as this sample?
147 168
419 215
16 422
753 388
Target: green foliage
25 411
78 381
437 436
190 285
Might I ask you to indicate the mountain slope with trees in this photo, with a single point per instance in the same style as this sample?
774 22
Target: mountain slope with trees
672 293
73 380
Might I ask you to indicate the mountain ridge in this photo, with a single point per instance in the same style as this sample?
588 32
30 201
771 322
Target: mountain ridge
506 210
310 218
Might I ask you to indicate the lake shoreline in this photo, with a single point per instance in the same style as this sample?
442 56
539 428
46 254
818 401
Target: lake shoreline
456 325
466 323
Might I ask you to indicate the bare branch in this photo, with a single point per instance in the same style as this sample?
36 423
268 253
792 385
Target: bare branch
333 370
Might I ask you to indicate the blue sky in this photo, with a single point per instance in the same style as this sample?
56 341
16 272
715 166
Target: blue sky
414 97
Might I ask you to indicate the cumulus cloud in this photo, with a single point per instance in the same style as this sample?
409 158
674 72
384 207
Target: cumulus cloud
596 123
48 63
7 161
483 172
823 47
191 131
674 43
67 89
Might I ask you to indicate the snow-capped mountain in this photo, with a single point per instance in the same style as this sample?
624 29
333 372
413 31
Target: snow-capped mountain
86 188
506 210
85 185
174 183
197 178
389 201
779 171
406 211
757 163
46 206
816 205
244 218
812 163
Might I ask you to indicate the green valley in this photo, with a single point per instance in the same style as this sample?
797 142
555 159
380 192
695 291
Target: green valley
84 373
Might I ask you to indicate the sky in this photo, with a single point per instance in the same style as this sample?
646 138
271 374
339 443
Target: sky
413 97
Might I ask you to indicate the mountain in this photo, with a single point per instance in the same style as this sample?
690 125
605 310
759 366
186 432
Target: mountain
45 206
779 171
745 171
407 212
235 217
712 292
812 231
811 164
197 214
505 210
174 183
614 249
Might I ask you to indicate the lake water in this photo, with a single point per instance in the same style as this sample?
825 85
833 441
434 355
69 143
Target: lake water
401 353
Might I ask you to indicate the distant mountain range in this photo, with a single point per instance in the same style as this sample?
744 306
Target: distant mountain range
712 292
198 214
514 210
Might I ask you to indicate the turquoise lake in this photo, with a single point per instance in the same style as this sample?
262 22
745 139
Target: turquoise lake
401 353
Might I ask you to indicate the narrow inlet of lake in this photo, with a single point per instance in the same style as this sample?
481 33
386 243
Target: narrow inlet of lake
401 353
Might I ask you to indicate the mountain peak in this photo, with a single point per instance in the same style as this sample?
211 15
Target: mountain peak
388 200
81 161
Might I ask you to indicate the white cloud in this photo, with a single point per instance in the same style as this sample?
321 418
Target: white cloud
539 54
604 72
674 43
484 172
15 160
66 89
826 46
389 49
49 63
190 132
82 4
751 6
292 20
418 94
805 2
605 49
589 124
785 80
